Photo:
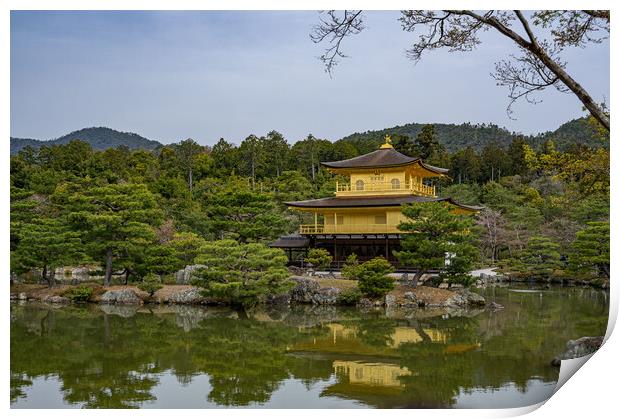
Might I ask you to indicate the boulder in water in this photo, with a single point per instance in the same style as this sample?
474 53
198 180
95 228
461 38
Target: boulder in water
464 298
578 348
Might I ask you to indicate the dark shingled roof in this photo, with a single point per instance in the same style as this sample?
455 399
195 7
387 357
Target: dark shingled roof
291 242
382 201
384 157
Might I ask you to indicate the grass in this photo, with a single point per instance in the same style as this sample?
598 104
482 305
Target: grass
343 284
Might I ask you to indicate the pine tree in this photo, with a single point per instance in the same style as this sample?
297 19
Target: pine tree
46 244
114 220
276 155
373 279
541 257
186 246
187 152
252 152
432 234
236 211
242 274
590 250
427 142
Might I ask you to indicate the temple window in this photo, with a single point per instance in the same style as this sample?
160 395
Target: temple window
395 184
380 219
359 185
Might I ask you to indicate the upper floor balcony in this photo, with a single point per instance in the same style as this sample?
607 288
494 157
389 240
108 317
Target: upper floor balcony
348 229
395 187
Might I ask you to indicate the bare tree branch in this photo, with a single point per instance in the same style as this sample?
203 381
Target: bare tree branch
335 28
539 67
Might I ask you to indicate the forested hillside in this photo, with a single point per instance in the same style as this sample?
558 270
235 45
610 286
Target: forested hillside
457 137
452 136
147 212
99 138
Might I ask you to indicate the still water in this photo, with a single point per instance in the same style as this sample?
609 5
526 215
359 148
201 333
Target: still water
303 357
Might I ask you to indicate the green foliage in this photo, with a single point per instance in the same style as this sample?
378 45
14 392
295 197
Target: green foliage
434 233
293 186
150 284
242 274
79 294
186 245
236 211
160 259
319 258
551 184
590 251
349 297
373 279
46 243
350 270
457 137
116 220
540 258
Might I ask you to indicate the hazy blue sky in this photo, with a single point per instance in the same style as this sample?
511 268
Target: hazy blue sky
205 75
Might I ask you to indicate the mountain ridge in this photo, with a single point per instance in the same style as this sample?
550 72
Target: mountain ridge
458 136
453 136
100 138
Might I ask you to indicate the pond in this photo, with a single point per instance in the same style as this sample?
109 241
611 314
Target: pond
301 357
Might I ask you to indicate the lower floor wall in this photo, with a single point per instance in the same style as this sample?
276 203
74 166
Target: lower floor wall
340 248
365 249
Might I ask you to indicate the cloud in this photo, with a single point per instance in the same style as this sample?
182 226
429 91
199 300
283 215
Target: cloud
172 75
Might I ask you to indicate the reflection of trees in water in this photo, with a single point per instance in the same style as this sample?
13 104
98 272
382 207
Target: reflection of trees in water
105 360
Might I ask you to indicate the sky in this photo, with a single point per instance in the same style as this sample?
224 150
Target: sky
169 75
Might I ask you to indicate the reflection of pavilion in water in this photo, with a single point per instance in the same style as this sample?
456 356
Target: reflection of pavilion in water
371 373
366 367
344 339
399 336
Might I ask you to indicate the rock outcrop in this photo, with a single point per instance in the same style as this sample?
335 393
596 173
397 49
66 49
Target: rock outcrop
309 291
464 298
578 348
325 296
279 300
187 296
304 290
56 299
184 276
123 296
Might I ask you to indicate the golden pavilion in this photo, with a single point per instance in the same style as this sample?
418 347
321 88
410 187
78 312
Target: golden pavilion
364 214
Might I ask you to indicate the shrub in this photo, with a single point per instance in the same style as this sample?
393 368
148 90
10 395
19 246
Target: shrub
350 269
349 297
151 284
373 277
242 274
319 258
79 294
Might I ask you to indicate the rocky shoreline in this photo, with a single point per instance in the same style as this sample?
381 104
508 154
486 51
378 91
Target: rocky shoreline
496 278
306 291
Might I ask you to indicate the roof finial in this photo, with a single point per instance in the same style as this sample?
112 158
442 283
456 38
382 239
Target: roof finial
388 142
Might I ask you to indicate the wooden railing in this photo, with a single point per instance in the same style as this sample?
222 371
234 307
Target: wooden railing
348 229
368 188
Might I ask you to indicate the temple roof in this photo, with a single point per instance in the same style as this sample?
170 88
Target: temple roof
291 242
383 201
384 157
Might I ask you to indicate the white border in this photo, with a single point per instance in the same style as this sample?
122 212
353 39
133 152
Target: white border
594 390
